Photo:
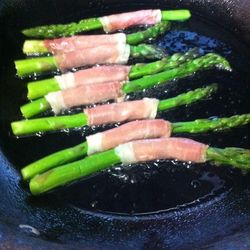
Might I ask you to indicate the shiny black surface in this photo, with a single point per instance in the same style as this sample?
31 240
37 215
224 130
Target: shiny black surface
75 222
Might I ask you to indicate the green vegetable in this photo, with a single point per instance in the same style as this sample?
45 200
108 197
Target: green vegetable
38 89
70 121
74 153
90 165
39 65
58 30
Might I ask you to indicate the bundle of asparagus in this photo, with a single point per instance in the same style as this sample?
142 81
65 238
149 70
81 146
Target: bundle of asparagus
67 44
111 113
129 132
88 94
98 84
139 151
107 73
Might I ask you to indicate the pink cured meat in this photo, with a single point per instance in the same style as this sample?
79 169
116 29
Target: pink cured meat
135 130
68 44
120 112
125 20
102 74
169 148
106 54
91 93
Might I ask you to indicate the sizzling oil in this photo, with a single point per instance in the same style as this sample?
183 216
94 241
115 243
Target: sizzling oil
159 185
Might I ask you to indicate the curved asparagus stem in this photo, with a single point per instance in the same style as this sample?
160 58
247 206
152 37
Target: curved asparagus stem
65 174
58 30
38 89
236 157
59 158
70 121
49 124
205 62
43 64
205 125
38 47
71 154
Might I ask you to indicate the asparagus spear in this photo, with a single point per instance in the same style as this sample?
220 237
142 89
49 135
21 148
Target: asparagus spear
51 31
37 47
65 174
39 65
205 62
38 89
78 151
71 121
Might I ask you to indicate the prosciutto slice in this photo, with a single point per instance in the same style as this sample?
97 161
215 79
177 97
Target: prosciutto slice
124 111
128 132
105 54
165 148
94 75
84 95
68 44
125 20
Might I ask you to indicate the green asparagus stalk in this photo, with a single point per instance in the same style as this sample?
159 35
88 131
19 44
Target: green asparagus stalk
40 65
150 33
236 157
190 67
147 51
202 63
51 31
65 174
205 125
49 124
79 120
38 89
79 151
38 47
53 160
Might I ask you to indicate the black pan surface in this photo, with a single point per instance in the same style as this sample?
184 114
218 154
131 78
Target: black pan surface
153 206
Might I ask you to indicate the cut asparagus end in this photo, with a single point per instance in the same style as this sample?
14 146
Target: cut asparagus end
41 88
37 65
175 15
45 124
57 159
65 174
31 47
35 107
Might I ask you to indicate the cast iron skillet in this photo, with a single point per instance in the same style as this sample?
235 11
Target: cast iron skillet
216 211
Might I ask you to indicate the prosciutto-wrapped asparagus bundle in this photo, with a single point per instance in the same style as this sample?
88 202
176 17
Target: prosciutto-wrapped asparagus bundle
108 23
111 113
68 44
107 73
105 54
88 94
181 149
131 131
